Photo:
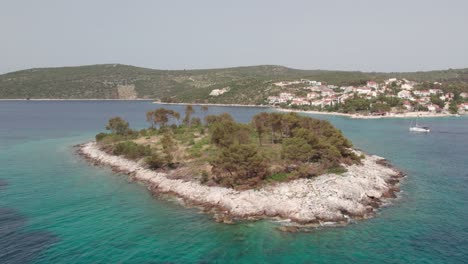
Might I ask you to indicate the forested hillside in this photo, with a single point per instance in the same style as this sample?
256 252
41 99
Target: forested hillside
247 85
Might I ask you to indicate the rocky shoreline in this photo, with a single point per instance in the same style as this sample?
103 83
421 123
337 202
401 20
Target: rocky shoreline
326 200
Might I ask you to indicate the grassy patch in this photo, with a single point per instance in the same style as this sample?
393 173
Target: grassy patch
337 170
131 150
283 176
197 148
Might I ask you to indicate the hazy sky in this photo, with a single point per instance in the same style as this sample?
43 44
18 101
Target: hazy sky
370 35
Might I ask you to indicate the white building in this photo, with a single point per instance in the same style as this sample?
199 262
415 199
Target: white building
273 99
328 102
432 107
350 89
407 105
313 95
422 93
372 84
286 96
407 86
341 99
425 99
300 101
391 80
326 91
463 107
435 91
404 94
311 82
316 103
364 90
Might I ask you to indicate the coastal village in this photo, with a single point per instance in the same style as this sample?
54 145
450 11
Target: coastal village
410 96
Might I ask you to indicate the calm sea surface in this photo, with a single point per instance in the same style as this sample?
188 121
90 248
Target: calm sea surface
55 208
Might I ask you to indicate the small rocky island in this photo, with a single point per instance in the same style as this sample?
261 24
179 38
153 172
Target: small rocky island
280 165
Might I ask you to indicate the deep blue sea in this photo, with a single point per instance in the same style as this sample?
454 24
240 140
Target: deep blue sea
56 208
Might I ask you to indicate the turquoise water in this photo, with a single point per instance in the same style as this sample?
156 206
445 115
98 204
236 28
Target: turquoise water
55 208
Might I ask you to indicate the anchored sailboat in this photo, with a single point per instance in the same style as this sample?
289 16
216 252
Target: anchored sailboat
418 128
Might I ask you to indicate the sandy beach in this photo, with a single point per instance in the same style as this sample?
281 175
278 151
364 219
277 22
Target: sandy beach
323 200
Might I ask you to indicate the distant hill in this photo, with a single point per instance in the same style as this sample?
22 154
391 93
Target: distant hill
247 85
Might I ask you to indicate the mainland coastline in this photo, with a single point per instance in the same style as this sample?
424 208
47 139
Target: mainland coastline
360 116
420 114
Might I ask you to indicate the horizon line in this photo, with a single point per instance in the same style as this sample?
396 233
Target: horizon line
227 67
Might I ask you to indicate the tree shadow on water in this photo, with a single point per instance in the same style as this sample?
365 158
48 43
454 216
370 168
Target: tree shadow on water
17 245
3 183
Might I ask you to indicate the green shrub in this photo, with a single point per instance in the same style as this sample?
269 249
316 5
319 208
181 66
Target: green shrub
200 143
296 149
240 162
282 176
204 176
118 126
168 143
101 136
337 170
307 171
195 153
144 132
131 150
155 161
111 138
196 121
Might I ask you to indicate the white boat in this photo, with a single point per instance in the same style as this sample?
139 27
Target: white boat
418 128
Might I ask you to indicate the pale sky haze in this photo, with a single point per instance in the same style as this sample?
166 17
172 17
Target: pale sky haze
362 35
